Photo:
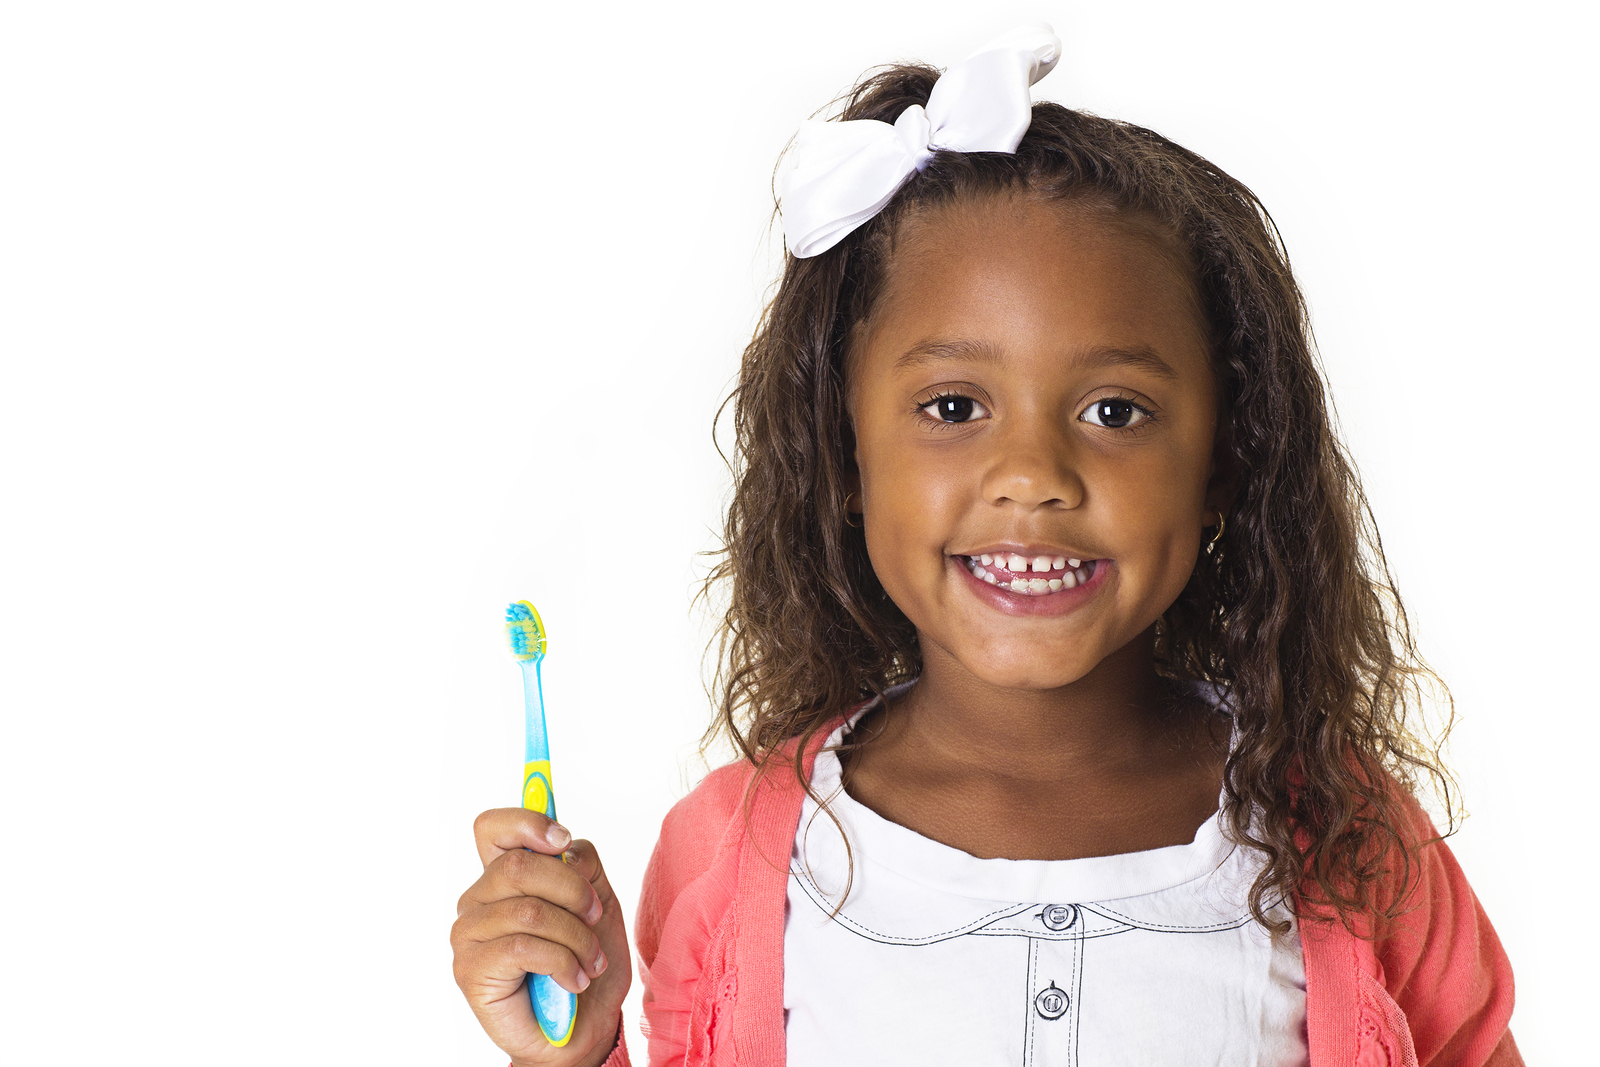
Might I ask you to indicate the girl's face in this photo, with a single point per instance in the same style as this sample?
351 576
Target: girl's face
1033 389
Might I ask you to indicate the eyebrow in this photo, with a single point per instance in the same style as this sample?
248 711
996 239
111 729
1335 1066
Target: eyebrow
1140 357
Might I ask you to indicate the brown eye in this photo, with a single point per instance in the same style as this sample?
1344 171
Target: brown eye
954 409
1114 413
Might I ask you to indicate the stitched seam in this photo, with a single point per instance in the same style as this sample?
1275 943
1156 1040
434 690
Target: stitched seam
1111 913
841 918
1033 986
1075 1008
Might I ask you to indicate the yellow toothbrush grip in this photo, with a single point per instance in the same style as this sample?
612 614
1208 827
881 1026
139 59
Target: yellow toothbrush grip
538 794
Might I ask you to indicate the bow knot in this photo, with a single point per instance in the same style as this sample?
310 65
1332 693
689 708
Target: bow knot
915 130
840 174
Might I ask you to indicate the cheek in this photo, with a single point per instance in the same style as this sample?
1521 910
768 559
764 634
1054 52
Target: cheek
908 511
895 479
1159 514
913 504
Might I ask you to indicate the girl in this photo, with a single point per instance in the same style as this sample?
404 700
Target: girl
1070 681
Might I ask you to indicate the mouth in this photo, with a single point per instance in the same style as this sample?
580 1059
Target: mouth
1031 575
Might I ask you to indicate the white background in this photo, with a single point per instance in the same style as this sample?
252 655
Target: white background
328 328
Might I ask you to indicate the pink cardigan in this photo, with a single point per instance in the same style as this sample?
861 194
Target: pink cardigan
709 931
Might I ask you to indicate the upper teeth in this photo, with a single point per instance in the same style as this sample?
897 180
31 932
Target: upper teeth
1018 564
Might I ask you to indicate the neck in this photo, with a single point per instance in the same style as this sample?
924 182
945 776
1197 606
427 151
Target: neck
1107 723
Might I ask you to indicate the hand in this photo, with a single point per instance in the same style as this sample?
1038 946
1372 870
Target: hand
546 911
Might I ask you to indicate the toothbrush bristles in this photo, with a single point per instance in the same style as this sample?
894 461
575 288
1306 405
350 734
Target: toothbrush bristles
525 630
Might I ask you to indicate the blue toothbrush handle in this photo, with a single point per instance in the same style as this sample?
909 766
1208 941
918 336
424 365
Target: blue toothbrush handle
554 1007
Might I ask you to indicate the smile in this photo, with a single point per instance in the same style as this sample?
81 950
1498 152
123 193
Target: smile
1035 576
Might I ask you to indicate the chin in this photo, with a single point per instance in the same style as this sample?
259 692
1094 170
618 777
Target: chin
1031 675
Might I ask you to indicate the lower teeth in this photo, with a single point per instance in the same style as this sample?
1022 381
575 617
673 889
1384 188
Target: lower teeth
1034 586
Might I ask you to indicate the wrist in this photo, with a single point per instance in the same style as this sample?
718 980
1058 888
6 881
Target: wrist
609 1046
602 1050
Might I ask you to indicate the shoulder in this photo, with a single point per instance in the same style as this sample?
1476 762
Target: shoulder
738 795
1423 880
703 836
711 803
1427 891
730 803
1417 882
696 858
697 829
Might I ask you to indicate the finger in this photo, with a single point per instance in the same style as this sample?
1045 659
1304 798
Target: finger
530 915
503 829
520 873
583 858
484 966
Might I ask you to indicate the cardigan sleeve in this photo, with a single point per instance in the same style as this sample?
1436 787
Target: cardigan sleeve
687 888
619 1055
1442 963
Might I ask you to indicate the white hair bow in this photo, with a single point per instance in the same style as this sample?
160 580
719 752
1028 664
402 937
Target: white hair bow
840 174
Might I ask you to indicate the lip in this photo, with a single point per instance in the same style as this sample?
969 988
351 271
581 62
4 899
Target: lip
1051 604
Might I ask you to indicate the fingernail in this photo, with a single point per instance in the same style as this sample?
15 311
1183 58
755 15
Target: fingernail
592 916
599 963
583 981
558 836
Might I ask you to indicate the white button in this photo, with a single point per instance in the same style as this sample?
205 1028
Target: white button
1059 916
1051 1002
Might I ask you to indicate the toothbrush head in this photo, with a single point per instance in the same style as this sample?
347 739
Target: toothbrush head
526 631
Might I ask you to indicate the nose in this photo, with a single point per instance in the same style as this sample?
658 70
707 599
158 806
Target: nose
1033 467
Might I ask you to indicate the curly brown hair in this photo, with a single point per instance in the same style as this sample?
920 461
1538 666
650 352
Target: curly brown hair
1295 619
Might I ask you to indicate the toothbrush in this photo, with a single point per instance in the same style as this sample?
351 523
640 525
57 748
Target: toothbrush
554 1007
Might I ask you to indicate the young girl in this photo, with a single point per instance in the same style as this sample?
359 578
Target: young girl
1070 680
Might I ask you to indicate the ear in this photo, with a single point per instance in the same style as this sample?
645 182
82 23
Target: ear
852 478
1225 479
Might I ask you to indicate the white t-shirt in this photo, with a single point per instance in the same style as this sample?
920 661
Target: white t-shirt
938 957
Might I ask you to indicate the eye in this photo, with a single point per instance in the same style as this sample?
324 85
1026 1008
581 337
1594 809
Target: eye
1114 413
954 408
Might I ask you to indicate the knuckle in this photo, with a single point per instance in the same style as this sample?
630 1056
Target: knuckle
571 892
518 864
531 913
532 952
461 969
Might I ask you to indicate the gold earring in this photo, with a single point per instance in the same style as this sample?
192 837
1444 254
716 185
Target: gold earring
1222 524
848 513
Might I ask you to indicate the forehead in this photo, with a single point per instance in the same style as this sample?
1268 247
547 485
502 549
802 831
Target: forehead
1039 276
